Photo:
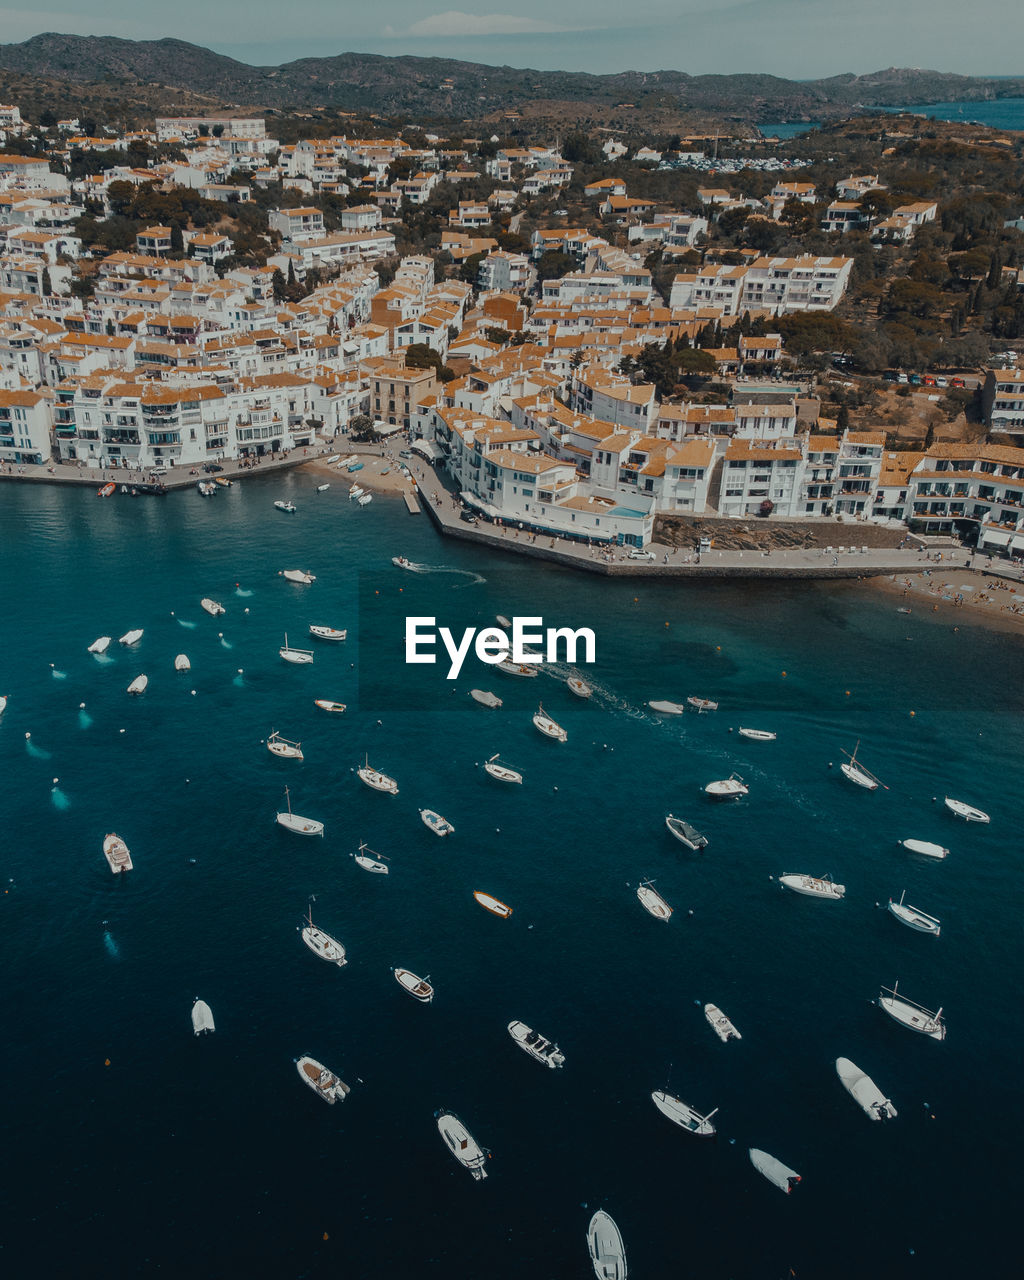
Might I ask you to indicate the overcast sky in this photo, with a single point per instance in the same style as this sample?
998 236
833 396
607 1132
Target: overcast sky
803 39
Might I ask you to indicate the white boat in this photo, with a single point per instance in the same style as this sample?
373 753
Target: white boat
911 1014
212 607
365 499
667 708
926 848
653 902
757 735
463 1146
202 1017
440 826
416 986
322 944
813 886
493 905
293 822
377 863
688 835
324 1083
3 703
138 685
131 637
301 576
117 854
965 811
511 668
579 687
914 917
344 462
863 1090
356 492
206 487
544 1051
325 704
181 663
684 1116
101 645
728 788
502 621
502 772
322 488
722 1026
300 657
327 633
777 1173
702 704
283 748
400 562
548 727
484 698
285 506
375 780
607 1252
335 457
856 773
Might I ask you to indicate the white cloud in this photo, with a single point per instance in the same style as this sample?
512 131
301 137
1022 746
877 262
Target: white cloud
454 23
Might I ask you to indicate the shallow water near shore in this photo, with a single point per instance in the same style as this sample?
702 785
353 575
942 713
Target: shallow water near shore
189 1156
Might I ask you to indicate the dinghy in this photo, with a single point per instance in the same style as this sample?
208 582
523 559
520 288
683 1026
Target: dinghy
856 773
461 1143
440 826
926 848
322 944
720 1024
910 1014
202 1017
502 772
400 562
301 576
731 788
335 457
607 1252
863 1090
684 1116
813 886
285 506
101 645
322 488
493 905
757 735
688 835
544 1051
283 748
138 685
106 490
117 854
298 657
484 698
913 917
777 1173
418 987
212 607
327 633
702 704
377 863
181 663
667 708
579 687
293 822
324 1083
355 492
325 704
548 727
653 902
375 780
365 500
131 637
502 621
965 811
223 482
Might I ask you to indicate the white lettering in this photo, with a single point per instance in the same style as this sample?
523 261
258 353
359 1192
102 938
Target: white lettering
571 638
521 637
492 645
413 640
457 653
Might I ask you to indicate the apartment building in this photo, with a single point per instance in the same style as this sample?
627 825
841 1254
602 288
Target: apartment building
1002 400
395 391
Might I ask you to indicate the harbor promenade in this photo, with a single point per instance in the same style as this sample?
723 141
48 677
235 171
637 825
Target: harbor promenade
149 482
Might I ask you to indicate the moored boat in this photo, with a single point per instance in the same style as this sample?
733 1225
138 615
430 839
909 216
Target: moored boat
544 1051
910 1014
283 748
813 886
206 488
298 657
325 704
322 488
607 1252
729 788
502 621
926 848
222 481
285 506
777 1173
364 500
485 698
548 727
684 1116
722 1026
138 685
370 861
501 771
702 704
324 1083
966 811
686 834
181 663
579 687
491 904
461 1143
202 1017
376 780
106 490
294 822
335 457
856 772
131 637
863 1090
652 901
117 854
667 708
322 944
301 576
757 735
212 607
327 633
440 826
416 986
914 917
355 492
101 645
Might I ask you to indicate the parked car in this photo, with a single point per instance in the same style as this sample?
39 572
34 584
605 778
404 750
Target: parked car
212 466
957 382
902 379
914 379
404 453
941 382
468 516
639 553
158 471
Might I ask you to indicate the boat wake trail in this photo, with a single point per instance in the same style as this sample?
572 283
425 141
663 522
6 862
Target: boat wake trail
84 720
182 623
226 644
58 675
37 753
239 681
60 800
239 591
474 578
113 950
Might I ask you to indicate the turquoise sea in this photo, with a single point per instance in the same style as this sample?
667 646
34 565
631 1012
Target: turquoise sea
133 1148
1000 113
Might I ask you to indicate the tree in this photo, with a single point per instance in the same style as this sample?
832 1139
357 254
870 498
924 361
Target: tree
421 356
361 428
554 264
47 284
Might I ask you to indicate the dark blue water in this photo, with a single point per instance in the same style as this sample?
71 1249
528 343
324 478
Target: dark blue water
1001 113
189 1156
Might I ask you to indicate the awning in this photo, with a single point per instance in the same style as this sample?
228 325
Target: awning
426 449
387 428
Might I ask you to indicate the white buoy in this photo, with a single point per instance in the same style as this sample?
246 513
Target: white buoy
81 706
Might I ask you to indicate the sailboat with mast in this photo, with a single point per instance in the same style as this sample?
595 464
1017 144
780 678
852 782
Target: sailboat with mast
857 773
322 944
294 822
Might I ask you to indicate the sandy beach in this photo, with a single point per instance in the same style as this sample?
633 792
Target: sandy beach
380 474
960 596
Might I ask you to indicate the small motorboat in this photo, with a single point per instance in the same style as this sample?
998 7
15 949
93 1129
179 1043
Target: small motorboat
544 1051
106 490
293 822
301 576
914 917
720 1024
202 1017
688 835
131 637
335 457
910 1014
356 492
322 944
461 1143
101 645
370 861
504 622
343 462
206 488
322 488
283 749
493 905
667 708
813 886
653 902
138 685
484 698
579 687
418 987
212 607
324 1083
222 481
548 727
325 704
181 663
364 500
511 668
684 1116
856 773
702 704
607 1252
757 735
863 1090
778 1174
327 633
440 826
926 848
299 657
729 788
285 506
376 780
355 466
400 562
117 854
965 811
501 771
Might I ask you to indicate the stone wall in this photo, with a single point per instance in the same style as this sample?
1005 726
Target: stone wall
755 534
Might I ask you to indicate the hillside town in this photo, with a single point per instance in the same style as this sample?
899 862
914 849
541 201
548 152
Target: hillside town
579 354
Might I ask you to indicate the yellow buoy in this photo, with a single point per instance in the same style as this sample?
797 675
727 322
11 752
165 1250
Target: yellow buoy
326 1236
847 693
784 673
913 713
106 1062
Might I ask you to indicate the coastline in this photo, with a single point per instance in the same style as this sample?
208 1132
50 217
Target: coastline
960 596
